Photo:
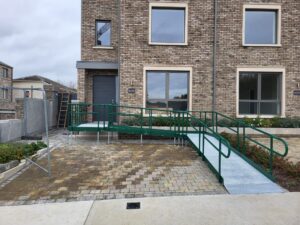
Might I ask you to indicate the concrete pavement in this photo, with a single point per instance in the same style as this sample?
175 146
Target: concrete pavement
275 209
68 213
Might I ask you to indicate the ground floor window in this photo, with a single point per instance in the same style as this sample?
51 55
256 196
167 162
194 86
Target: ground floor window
260 93
167 90
4 93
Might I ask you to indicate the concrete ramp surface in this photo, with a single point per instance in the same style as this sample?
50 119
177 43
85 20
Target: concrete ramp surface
239 176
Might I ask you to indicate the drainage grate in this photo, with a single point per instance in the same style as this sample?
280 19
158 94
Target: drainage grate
133 205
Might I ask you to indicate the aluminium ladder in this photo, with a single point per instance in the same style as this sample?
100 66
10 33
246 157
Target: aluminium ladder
63 110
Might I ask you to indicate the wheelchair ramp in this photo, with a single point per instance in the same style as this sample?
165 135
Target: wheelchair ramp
239 176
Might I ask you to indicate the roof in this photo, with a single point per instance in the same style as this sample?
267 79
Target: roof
46 80
4 64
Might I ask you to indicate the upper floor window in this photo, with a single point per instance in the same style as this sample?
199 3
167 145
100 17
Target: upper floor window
5 72
103 33
262 25
168 23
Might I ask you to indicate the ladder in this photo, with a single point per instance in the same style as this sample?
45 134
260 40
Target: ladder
63 110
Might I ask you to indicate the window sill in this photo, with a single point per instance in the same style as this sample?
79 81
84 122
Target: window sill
103 47
168 44
262 45
260 116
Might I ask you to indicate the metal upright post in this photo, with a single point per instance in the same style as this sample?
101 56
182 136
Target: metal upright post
47 132
220 169
271 156
25 113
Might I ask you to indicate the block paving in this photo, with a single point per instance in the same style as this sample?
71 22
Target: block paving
94 171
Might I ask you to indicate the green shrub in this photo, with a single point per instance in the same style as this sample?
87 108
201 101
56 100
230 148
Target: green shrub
293 122
286 173
13 151
275 122
41 144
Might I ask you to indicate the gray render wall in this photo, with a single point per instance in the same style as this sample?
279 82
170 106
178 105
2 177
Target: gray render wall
33 121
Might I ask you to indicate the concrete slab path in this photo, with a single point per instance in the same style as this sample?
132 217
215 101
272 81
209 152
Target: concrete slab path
266 209
239 176
68 213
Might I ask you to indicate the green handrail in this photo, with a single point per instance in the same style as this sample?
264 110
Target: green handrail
240 131
204 123
182 121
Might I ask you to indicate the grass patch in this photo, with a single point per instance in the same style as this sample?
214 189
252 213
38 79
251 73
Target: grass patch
17 151
286 173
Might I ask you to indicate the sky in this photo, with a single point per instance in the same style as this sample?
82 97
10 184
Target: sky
41 37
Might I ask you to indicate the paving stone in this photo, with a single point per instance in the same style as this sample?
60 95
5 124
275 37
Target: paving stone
85 170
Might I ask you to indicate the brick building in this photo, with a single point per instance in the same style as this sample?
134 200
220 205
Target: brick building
7 107
239 57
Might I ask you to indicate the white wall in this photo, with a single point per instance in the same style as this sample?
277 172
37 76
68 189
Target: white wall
27 84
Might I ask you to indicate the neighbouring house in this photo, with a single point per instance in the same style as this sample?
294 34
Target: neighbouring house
7 107
238 57
29 117
52 88
57 94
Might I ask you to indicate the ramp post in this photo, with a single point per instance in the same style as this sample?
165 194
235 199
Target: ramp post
108 137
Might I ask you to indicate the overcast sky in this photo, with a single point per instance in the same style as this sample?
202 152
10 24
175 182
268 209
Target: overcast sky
41 37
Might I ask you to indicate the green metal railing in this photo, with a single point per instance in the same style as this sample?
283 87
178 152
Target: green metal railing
82 113
245 132
205 124
181 123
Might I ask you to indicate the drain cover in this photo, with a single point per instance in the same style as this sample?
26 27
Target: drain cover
133 205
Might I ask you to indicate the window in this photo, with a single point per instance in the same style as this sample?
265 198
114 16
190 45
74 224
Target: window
27 94
167 89
168 23
103 33
4 93
5 72
260 93
262 25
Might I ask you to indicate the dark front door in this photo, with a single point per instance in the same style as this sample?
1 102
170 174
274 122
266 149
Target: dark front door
104 92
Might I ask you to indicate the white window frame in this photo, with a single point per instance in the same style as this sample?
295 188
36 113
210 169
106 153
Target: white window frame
262 7
168 68
169 5
262 70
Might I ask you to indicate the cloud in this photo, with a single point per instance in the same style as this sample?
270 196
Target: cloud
41 37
